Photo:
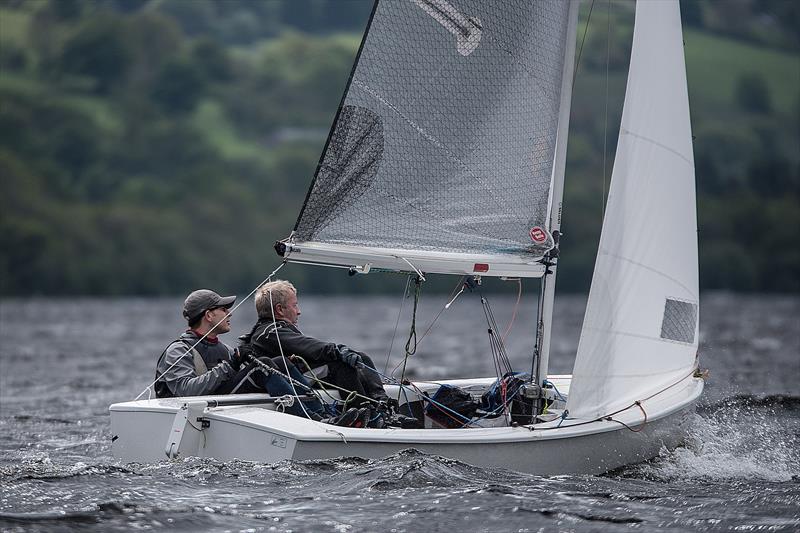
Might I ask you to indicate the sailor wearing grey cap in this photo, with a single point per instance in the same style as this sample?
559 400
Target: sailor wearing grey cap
206 367
203 300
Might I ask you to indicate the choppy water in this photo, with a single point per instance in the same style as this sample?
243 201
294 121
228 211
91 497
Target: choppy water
62 364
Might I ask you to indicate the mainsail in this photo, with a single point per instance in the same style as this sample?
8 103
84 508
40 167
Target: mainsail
640 331
443 152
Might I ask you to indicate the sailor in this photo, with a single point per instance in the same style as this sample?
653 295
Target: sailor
198 363
276 334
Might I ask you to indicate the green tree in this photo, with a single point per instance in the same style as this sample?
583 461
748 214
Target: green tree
692 13
153 39
752 93
179 86
99 50
213 59
67 9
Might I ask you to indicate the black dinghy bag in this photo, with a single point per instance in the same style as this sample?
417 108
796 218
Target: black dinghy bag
453 407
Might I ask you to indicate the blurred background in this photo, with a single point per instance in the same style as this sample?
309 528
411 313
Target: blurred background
150 147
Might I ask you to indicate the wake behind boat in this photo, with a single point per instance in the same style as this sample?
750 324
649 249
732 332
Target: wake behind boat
448 156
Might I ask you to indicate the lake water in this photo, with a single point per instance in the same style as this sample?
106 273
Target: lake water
63 362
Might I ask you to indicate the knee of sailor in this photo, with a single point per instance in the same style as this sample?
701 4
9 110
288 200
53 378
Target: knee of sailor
367 360
340 368
282 363
269 362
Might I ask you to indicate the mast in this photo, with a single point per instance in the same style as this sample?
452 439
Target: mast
548 284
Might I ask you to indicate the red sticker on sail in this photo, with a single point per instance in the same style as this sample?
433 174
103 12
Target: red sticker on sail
538 235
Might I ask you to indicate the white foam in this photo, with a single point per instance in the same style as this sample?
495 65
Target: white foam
734 442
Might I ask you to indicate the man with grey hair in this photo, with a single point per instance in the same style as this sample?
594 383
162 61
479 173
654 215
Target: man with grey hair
276 334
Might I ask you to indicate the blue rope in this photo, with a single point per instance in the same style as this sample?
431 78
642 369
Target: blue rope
548 382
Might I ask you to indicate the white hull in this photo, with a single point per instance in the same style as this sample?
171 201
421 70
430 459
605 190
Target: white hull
143 430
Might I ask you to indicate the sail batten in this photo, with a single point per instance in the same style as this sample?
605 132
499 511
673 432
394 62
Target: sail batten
689 160
446 138
640 331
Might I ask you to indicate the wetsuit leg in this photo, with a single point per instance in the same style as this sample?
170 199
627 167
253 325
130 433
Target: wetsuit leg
364 381
252 379
346 377
281 363
371 381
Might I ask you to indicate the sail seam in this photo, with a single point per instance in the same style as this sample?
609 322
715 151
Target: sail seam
636 335
688 161
447 225
625 376
651 269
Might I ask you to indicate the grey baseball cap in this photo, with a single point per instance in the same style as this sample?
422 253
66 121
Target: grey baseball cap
201 301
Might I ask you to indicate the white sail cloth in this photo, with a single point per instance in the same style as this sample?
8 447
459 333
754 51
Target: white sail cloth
640 330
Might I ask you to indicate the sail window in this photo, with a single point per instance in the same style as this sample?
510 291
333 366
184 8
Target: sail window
680 321
351 162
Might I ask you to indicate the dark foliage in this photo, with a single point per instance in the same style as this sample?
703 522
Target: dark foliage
154 147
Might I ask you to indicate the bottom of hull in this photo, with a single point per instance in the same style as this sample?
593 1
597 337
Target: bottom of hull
589 454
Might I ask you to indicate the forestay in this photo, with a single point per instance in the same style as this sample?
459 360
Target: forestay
640 330
442 153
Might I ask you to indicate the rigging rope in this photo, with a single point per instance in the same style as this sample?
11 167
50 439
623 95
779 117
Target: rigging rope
605 115
502 364
583 40
396 324
516 306
351 395
608 417
443 309
423 397
435 319
411 343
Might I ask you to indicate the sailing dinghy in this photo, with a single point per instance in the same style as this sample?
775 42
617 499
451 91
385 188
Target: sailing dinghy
447 155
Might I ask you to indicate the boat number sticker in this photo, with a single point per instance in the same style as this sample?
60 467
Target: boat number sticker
538 235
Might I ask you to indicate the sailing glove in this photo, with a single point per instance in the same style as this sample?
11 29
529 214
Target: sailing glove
348 356
240 356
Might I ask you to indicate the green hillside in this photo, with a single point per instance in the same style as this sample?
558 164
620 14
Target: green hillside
715 65
152 146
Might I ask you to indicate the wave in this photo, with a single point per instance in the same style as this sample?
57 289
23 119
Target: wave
111 515
743 437
408 468
102 510
782 401
41 467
